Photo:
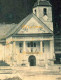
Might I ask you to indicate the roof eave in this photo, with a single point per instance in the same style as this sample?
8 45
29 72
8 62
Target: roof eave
42 6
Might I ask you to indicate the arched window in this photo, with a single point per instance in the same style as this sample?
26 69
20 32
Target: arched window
35 11
45 11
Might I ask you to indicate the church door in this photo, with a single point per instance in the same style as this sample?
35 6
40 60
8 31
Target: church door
32 60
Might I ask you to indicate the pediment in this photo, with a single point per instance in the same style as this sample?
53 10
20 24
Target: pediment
32 26
29 25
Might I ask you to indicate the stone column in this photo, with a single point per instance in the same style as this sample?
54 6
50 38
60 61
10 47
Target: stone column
14 53
41 47
52 55
4 52
52 48
24 47
14 48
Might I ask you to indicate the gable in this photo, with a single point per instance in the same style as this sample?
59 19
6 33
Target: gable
30 24
33 26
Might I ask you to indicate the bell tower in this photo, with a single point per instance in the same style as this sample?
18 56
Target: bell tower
43 10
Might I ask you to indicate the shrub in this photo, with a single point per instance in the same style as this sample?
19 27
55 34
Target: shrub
3 63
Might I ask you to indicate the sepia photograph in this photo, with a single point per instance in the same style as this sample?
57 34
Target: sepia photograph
30 39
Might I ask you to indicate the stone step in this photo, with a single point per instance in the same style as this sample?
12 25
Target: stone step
27 70
42 73
5 70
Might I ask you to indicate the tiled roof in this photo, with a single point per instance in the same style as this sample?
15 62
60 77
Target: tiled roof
5 28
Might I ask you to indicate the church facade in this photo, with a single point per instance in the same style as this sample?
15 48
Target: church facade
31 42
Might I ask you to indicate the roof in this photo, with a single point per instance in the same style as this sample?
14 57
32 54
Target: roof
42 3
5 28
14 30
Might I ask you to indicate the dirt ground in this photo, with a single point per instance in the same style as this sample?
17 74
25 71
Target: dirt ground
31 77
34 73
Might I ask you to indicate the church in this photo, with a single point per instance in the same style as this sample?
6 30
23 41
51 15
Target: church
31 42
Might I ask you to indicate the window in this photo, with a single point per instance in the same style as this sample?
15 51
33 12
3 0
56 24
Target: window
31 44
20 44
34 44
28 44
43 46
35 11
45 11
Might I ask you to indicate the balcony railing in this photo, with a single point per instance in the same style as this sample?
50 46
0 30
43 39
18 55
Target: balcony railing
32 52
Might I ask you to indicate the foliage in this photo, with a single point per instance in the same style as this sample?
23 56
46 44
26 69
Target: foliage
3 63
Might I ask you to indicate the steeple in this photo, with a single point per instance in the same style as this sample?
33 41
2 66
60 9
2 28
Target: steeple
43 10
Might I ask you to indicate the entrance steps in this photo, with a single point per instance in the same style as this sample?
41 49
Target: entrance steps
28 71
40 71
5 70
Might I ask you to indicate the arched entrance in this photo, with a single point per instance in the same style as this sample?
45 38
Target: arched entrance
32 60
